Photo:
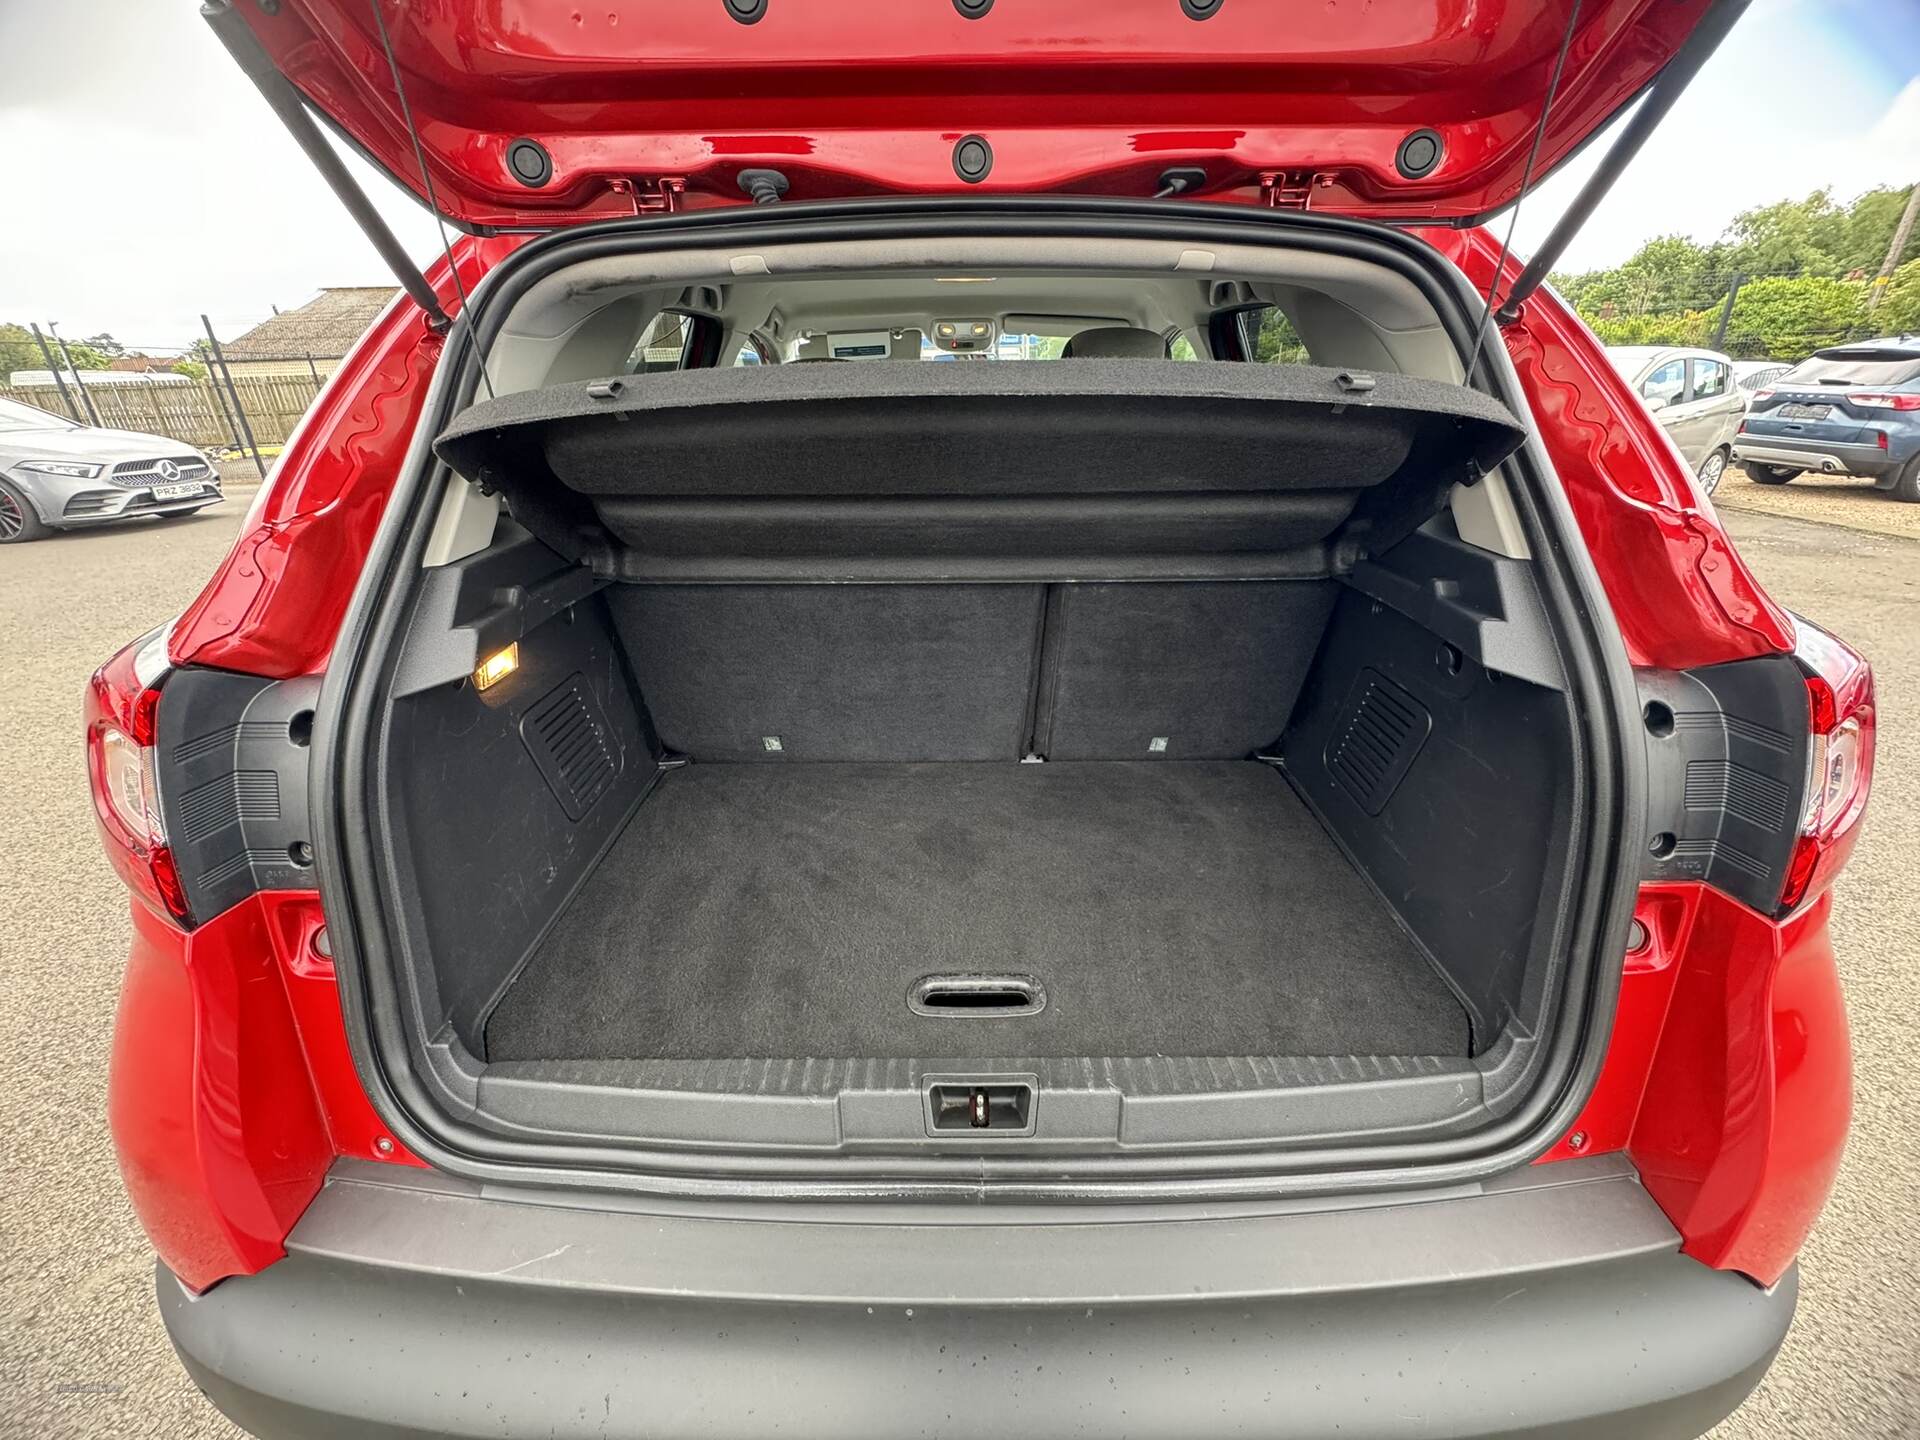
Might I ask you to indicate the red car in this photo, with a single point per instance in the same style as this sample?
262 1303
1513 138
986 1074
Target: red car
1247 858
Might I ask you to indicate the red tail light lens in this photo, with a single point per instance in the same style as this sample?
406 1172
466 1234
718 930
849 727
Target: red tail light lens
1887 401
1839 764
123 700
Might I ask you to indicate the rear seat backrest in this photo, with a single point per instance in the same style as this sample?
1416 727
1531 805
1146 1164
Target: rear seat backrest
801 673
1115 342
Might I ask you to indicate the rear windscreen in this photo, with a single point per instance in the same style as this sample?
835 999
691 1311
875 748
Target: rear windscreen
1857 367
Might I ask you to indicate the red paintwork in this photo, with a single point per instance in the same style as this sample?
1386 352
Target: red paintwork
1726 1078
864 99
313 996
231 1090
274 605
1680 593
1747 1104
220 1142
1646 987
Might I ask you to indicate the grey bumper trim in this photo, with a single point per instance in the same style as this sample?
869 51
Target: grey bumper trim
1555 1300
1824 456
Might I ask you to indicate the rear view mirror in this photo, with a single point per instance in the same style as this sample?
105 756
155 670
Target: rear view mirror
1657 403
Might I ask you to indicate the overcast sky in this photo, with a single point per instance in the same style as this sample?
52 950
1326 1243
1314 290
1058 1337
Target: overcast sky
157 185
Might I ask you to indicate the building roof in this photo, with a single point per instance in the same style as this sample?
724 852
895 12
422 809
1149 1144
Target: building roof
325 327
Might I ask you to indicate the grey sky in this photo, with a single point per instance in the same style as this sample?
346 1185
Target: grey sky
158 185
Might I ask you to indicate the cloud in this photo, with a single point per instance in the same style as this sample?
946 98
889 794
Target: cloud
1760 124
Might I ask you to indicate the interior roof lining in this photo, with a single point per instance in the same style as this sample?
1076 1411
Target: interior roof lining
556 303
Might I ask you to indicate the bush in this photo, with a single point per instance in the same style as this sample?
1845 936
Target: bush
1788 319
1899 312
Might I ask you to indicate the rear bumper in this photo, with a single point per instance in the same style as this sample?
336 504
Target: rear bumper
1554 1302
1820 455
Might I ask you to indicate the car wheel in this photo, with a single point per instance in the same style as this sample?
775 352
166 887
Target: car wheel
19 521
1768 474
1711 469
1907 487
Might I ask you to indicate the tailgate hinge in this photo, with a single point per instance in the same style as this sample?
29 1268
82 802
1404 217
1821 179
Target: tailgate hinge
653 195
1292 189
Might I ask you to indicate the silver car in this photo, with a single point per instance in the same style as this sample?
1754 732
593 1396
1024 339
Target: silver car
1693 395
56 475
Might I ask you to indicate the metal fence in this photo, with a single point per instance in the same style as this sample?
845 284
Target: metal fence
198 413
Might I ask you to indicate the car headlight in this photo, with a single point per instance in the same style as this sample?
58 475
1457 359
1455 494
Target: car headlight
62 467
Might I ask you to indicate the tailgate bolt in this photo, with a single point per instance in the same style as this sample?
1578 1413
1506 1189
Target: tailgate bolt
383 1145
1577 1141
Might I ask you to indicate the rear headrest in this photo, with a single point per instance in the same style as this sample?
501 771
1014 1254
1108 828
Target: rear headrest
1115 342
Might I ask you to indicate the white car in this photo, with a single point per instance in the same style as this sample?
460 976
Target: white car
1693 395
56 474
1755 375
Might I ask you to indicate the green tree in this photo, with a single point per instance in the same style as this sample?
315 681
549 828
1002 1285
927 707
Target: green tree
17 351
1899 312
106 345
1691 327
1869 228
83 355
1789 237
1670 274
1789 317
1276 343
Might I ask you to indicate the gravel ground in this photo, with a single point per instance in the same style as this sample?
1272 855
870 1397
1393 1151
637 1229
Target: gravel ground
1851 1366
81 1348
1826 499
82 1353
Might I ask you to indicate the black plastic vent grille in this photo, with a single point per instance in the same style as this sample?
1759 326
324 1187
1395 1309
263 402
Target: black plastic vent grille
1376 739
566 732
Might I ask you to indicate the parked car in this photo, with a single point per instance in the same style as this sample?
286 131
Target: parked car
56 474
1101 894
1755 375
1850 410
1693 395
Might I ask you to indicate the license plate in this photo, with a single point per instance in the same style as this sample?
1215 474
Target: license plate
1805 412
174 492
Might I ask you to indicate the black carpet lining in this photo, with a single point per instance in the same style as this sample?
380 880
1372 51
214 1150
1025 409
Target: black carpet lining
784 910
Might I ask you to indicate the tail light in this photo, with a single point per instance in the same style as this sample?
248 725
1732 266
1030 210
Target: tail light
1887 401
123 699
1760 395
1839 763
